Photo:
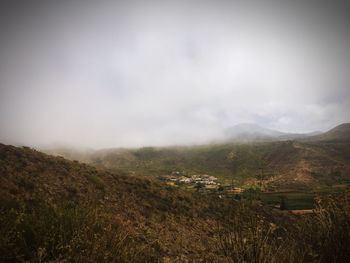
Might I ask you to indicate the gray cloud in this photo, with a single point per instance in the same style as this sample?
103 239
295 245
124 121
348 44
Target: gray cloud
109 73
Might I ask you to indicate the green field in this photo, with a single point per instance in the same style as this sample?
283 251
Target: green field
297 200
293 200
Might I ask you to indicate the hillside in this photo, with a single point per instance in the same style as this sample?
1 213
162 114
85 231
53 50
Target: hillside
94 215
144 207
249 132
286 164
318 161
158 222
340 133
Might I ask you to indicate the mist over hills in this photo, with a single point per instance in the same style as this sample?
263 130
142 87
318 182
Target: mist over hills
240 133
115 197
338 133
253 132
175 131
59 210
289 160
83 207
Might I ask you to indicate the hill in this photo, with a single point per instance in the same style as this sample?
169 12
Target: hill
315 161
143 208
94 215
112 217
286 164
340 133
250 132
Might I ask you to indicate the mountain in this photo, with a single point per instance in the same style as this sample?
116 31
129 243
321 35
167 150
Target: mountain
246 132
305 162
250 131
97 214
287 164
55 210
340 133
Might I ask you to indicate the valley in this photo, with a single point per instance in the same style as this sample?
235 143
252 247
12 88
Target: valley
308 165
207 203
174 131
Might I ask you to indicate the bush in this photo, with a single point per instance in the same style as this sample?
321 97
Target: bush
328 231
98 182
251 237
42 233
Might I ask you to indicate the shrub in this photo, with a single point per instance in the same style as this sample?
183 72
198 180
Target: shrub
328 230
98 182
41 233
248 236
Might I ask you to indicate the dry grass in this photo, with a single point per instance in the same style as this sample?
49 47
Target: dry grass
55 210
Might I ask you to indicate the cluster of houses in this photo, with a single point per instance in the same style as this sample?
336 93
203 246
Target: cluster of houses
208 181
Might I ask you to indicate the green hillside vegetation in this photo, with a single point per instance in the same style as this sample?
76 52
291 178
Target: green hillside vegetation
285 164
340 133
53 209
308 163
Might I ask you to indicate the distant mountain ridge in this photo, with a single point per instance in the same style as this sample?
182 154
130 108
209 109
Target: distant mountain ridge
253 132
291 160
338 133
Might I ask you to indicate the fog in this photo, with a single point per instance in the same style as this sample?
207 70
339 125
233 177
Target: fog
135 73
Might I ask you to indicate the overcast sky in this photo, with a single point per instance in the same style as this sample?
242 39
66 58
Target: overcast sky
127 73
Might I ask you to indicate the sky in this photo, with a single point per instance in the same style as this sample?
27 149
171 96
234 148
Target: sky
138 73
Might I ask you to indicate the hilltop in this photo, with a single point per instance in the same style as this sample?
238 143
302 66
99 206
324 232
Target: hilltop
250 132
340 133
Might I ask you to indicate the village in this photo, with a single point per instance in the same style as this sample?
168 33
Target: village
197 180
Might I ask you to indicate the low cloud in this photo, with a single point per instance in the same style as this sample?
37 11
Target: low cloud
108 74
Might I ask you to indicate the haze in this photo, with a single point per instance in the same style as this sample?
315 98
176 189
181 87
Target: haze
126 73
